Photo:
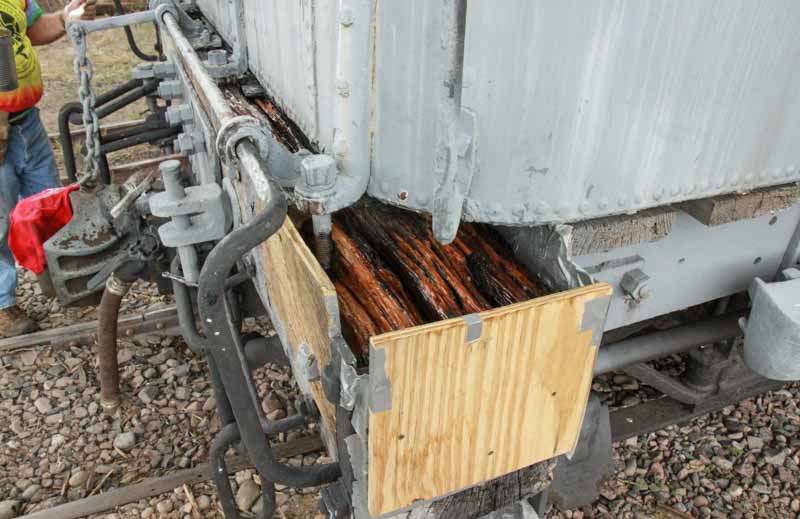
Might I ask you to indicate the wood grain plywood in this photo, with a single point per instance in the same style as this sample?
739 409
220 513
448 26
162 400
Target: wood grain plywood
462 413
304 300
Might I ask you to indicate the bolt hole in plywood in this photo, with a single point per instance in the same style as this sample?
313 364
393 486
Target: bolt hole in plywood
480 372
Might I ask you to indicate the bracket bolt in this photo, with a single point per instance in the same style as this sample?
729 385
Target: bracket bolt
189 144
634 285
217 58
170 89
346 17
179 114
319 171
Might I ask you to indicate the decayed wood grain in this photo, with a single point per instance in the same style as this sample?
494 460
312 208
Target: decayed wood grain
730 208
377 288
613 232
465 413
360 326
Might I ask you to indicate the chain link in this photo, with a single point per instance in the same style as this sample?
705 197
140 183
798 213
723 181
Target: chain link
88 99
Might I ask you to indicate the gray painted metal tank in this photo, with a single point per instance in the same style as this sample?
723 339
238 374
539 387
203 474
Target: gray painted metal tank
571 110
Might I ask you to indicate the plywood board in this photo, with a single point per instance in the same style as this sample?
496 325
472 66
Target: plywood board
304 300
302 297
447 414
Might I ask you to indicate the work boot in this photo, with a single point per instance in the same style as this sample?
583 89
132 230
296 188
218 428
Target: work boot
13 322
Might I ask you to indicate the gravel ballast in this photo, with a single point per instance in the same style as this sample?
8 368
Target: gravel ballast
56 444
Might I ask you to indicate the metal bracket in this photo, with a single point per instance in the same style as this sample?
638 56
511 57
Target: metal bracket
156 70
238 128
474 327
380 388
307 362
450 195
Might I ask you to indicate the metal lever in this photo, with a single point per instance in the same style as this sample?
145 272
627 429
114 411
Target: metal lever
131 196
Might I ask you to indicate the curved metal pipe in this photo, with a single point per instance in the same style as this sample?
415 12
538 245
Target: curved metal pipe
660 344
107 317
223 340
222 442
219 109
129 36
352 114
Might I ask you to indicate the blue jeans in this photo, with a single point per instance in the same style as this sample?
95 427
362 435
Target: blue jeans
30 167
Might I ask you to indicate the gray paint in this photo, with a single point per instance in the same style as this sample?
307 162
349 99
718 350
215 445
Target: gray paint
380 387
474 327
582 111
594 318
772 337
694 263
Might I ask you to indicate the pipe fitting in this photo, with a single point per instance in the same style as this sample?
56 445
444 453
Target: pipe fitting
235 130
317 186
116 286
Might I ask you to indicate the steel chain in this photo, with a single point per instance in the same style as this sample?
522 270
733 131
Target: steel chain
88 99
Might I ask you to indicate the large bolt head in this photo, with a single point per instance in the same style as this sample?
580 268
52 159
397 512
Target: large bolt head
217 58
634 284
319 171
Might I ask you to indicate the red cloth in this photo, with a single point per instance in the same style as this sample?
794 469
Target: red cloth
34 220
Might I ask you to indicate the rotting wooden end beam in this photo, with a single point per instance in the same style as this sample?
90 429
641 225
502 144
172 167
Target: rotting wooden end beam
156 486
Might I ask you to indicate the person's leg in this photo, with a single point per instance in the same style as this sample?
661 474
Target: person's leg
39 171
13 320
29 168
9 194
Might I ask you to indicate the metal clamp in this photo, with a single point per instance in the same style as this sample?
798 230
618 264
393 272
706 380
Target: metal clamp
156 70
237 129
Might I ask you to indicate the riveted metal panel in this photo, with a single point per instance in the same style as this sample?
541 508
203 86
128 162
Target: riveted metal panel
694 264
217 12
582 110
291 50
590 109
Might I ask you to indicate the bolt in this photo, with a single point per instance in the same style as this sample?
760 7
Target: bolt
187 143
179 114
634 285
319 171
217 58
346 17
171 175
170 89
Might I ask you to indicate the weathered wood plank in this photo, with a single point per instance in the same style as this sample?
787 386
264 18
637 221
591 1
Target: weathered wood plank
155 486
613 232
730 208
162 320
461 413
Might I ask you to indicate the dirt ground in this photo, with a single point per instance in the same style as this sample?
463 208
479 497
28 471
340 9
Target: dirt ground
112 61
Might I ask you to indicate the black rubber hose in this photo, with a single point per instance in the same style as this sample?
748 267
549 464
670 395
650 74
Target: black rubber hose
131 40
65 139
71 113
107 97
183 304
107 317
223 341
222 442
148 135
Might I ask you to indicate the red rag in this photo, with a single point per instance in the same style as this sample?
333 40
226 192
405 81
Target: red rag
34 220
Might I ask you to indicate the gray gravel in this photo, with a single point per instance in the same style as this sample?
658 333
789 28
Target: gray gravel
739 463
56 444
